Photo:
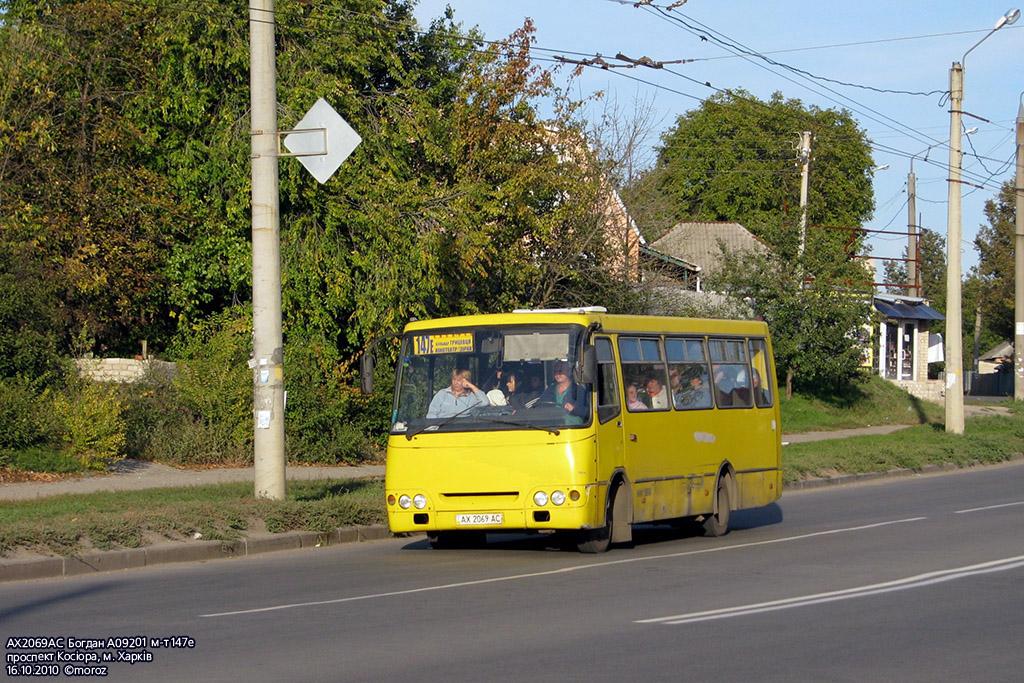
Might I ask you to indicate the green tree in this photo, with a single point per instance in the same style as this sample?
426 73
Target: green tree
817 325
733 159
995 245
932 247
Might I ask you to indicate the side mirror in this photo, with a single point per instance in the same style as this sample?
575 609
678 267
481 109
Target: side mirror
589 365
366 364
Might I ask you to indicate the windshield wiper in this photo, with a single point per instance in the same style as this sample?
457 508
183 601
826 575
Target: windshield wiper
438 425
518 423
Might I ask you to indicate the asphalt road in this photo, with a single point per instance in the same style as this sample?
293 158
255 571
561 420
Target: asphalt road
902 580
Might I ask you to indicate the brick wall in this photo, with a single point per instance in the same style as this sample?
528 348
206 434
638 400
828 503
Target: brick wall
930 390
122 370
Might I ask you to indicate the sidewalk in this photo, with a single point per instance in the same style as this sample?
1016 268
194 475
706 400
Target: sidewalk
135 475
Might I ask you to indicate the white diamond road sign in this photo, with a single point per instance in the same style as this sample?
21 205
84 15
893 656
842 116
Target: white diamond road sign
322 140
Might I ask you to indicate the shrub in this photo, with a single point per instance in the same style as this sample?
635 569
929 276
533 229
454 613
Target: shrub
40 459
92 415
25 416
328 420
212 393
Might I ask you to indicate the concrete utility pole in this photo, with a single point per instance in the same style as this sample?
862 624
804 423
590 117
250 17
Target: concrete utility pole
1018 308
954 328
805 161
912 290
268 344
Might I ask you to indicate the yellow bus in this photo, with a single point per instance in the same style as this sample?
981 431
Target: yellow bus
582 421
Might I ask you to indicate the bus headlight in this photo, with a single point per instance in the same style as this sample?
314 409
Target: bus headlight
420 501
404 502
540 499
557 497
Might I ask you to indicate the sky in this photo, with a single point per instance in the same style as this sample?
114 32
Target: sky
897 46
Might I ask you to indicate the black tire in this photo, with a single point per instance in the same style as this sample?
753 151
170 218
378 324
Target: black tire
717 524
449 540
597 540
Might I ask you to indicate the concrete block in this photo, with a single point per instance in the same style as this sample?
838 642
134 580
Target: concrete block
271 543
22 570
373 533
311 539
184 552
345 534
104 561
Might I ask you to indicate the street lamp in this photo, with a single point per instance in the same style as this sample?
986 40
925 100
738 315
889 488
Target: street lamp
954 327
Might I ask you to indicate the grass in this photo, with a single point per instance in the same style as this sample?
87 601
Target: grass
40 459
868 403
129 519
985 440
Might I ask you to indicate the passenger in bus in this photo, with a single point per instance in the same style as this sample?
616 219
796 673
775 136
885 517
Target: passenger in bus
565 393
533 389
723 385
696 394
675 381
633 401
514 398
457 398
761 396
656 394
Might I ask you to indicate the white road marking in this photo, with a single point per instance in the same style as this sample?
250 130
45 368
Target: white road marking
908 583
563 570
989 507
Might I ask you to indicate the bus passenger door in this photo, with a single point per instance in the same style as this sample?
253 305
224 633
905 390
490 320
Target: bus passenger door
609 412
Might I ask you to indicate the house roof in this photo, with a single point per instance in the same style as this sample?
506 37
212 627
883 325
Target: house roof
1001 350
906 308
697 243
672 260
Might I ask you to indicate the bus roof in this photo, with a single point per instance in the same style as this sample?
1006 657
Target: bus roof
609 322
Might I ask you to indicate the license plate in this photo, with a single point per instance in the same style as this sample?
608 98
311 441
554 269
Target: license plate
479 519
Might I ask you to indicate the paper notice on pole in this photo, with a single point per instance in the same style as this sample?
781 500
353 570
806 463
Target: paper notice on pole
263 419
1019 329
950 379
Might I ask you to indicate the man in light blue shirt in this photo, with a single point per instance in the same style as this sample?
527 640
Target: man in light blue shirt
460 396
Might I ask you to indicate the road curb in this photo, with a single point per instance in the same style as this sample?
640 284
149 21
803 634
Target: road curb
846 479
191 551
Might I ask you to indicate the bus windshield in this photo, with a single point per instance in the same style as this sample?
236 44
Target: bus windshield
490 378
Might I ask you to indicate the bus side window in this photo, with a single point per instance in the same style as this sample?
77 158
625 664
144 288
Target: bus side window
731 373
607 384
644 366
761 380
689 379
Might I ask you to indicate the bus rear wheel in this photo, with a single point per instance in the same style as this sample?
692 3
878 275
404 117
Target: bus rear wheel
717 524
445 540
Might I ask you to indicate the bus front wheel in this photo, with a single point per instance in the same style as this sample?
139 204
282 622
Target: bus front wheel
598 540
717 524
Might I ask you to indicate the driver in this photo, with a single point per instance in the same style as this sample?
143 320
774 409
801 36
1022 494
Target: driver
460 396
566 394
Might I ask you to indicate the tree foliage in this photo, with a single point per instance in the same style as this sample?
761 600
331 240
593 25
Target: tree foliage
932 248
818 326
995 245
734 159
125 182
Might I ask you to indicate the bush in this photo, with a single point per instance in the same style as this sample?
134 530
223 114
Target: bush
328 420
40 459
211 402
92 415
26 417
